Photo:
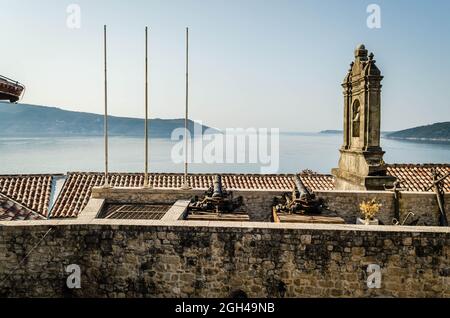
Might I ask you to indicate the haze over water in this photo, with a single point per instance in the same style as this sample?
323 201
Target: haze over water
318 152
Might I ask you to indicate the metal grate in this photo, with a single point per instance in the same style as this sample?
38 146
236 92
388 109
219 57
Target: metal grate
135 211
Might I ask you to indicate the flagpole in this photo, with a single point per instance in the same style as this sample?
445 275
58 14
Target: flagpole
106 184
186 130
146 178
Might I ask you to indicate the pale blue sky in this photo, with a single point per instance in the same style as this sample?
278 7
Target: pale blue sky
253 63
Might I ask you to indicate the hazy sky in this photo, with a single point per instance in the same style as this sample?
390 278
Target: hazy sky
253 63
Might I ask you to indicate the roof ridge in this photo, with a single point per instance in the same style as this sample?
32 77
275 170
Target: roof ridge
200 174
31 175
425 165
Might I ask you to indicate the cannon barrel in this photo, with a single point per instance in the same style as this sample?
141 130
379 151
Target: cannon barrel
218 192
302 190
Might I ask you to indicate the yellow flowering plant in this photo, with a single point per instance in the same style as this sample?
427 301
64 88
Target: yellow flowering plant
369 209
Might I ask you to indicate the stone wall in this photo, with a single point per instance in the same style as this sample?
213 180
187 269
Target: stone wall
422 204
258 203
212 259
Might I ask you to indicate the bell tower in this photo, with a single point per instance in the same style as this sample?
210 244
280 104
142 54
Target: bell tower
361 165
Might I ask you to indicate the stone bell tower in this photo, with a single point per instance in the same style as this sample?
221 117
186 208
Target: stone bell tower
361 165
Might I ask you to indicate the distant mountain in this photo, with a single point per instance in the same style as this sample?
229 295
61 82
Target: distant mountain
340 132
332 132
22 120
434 132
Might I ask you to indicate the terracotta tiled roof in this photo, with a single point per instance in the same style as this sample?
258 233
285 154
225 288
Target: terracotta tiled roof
318 182
11 210
77 188
32 191
418 177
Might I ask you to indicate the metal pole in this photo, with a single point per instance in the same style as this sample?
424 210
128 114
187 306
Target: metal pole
146 179
186 130
106 184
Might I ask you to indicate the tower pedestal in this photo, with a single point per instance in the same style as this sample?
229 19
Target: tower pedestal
361 170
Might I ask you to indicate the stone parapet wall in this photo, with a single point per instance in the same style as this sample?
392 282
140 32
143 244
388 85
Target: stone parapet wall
214 259
258 203
422 204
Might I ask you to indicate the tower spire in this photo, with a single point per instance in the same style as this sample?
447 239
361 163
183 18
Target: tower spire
361 164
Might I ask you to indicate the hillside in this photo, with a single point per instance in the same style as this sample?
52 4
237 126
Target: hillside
332 132
22 120
434 132
340 132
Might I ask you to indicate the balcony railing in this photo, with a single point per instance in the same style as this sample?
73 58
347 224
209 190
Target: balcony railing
10 89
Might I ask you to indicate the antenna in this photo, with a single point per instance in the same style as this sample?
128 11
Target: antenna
146 179
106 184
185 183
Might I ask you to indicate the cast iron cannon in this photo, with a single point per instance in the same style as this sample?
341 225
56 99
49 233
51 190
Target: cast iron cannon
216 199
300 201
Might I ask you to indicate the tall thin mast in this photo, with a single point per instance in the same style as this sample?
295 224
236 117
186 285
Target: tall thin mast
106 184
146 179
186 130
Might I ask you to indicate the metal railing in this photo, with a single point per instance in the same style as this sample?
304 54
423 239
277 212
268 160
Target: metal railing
12 87
9 80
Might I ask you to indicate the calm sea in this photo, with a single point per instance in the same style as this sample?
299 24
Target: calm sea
318 152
